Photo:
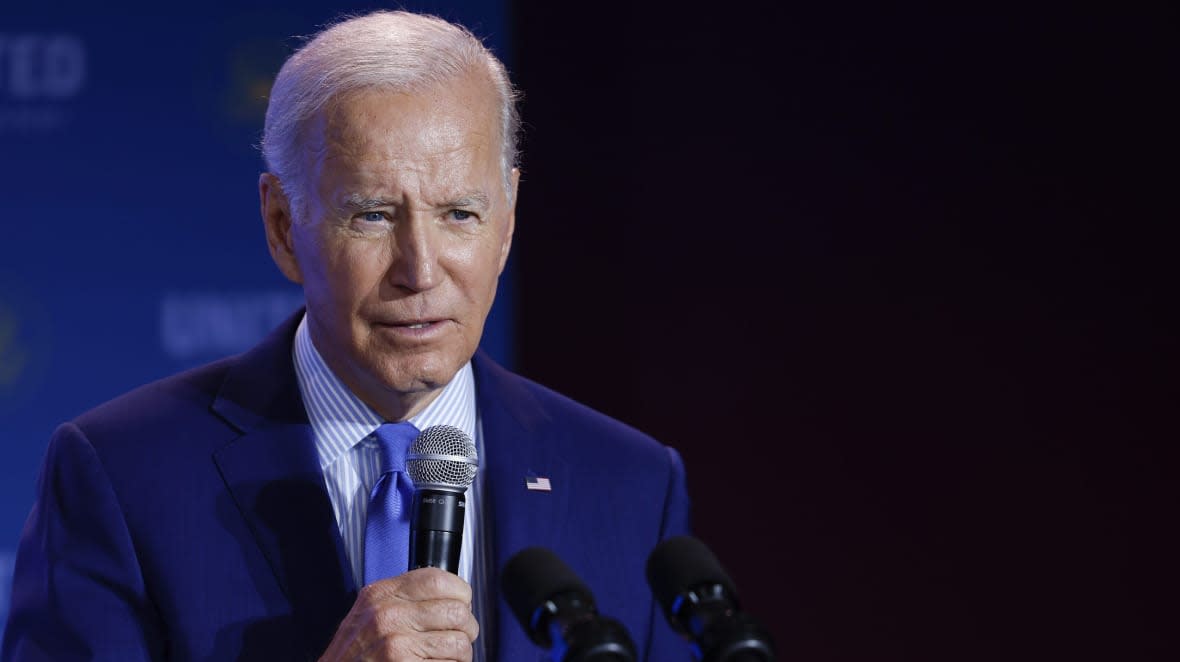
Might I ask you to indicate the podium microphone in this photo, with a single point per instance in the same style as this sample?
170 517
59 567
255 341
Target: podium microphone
701 604
557 611
441 462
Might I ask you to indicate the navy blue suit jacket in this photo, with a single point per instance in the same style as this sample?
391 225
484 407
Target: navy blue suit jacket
188 519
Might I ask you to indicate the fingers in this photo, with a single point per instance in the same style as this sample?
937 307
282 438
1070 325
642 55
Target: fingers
425 616
419 616
422 584
421 600
421 646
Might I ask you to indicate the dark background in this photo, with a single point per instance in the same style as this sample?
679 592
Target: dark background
897 283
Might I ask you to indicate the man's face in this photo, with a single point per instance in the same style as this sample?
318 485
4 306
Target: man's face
407 229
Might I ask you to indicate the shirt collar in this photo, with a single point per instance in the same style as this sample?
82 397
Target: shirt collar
340 420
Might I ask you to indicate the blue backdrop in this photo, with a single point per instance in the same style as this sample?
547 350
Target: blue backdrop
130 241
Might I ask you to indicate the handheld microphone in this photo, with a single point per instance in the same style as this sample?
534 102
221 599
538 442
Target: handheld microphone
700 602
442 463
557 611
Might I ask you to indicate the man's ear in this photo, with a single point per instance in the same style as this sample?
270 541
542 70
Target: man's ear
276 216
506 246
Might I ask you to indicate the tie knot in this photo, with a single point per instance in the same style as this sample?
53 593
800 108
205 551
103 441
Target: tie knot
393 440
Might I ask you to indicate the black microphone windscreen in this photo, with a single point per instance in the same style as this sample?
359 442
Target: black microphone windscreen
682 563
533 576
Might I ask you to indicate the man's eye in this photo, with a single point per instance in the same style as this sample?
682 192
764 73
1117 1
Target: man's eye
461 215
373 216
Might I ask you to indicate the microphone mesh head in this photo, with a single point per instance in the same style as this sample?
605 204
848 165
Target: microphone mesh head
442 456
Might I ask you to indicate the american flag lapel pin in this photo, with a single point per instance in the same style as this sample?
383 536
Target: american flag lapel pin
537 483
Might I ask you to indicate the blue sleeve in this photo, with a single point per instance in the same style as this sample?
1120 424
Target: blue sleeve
664 645
77 592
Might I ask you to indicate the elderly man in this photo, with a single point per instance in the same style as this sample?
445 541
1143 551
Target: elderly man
221 513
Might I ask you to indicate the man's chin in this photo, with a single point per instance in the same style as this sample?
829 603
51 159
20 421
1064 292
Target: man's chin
420 378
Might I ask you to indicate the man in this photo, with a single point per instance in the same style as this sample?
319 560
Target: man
221 513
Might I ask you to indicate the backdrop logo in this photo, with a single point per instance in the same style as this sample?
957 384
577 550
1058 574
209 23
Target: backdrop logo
39 74
210 325
13 357
24 348
250 73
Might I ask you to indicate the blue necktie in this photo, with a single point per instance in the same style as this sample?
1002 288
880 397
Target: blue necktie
387 526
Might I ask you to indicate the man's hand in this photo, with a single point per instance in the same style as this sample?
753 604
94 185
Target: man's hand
424 614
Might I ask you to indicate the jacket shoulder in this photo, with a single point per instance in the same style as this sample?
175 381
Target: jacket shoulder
166 401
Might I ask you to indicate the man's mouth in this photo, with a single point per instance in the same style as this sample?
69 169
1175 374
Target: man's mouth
413 325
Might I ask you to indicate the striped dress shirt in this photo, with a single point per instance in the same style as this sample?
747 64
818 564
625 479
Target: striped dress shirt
344 429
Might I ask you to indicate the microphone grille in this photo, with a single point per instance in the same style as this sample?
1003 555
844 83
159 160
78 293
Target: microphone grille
442 456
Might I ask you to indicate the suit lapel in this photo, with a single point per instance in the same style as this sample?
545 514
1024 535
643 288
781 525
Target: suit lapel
272 471
519 440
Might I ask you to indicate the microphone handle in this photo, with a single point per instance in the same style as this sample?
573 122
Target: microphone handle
436 529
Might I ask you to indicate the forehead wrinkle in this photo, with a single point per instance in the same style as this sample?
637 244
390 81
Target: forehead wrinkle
374 183
474 199
359 202
352 129
434 160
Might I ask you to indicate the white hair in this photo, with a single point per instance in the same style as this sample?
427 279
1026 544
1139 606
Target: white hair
396 50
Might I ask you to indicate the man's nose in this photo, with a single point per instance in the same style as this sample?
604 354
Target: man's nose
416 251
